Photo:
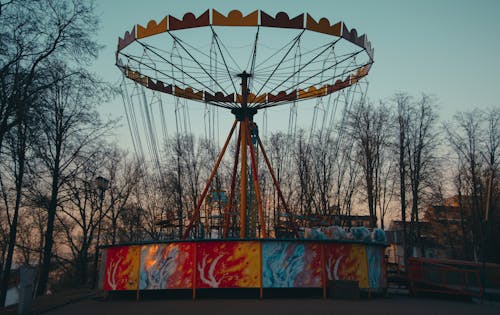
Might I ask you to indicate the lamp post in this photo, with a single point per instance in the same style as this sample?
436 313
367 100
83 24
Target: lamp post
101 184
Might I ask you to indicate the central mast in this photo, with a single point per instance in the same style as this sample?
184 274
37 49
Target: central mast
242 114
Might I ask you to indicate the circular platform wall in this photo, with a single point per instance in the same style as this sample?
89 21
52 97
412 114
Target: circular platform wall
260 264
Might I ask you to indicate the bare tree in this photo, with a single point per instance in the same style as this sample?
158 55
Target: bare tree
34 33
460 188
369 127
82 207
30 235
303 165
474 137
124 175
69 126
464 135
403 101
279 152
421 156
492 139
492 145
17 138
323 162
386 186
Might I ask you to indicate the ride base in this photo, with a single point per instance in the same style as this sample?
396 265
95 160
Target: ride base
260 264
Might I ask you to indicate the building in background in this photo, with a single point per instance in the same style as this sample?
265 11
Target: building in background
442 232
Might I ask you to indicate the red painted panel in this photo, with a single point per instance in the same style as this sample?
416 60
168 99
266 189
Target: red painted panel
346 262
122 268
228 265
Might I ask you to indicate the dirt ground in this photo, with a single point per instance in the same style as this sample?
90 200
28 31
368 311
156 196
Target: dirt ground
307 306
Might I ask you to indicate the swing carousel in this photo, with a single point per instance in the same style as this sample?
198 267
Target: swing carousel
245 65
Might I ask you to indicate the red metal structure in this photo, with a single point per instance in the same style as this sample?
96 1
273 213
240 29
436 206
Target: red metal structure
450 277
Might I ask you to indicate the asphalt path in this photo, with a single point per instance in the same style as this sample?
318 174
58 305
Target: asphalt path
307 306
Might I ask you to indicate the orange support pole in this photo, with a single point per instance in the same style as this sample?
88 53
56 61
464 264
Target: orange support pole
243 128
243 178
229 208
205 191
276 184
256 187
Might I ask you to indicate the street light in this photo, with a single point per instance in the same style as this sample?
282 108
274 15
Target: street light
101 184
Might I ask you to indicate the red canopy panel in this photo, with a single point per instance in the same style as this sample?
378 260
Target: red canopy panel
128 38
219 97
362 41
352 36
282 96
160 86
189 21
339 85
323 26
281 20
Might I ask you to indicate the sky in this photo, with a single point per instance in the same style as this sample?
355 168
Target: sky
447 48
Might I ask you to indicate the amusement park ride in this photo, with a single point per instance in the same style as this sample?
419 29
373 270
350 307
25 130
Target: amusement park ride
336 58
289 60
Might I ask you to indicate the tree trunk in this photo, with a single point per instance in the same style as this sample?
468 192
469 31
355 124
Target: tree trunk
402 192
371 203
114 224
466 253
21 154
476 222
49 233
84 265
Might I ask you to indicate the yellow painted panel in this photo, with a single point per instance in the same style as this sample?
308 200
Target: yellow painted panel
188 93
137 77
252 98
152 28
312 92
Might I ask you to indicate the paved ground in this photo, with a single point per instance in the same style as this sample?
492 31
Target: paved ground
49 302
78 302
310 306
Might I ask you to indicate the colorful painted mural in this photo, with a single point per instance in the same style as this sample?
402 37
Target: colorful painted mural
240 264
376 267
122 268
291 265
346 262
167 266
228 265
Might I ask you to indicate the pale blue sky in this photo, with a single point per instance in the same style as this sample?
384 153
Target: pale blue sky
446 48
